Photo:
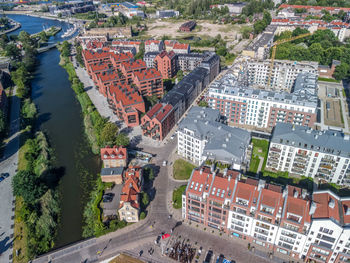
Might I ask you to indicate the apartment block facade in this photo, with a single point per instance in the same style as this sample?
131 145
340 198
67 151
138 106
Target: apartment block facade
288 220
243 105
284 73
166 63
305 152
154 45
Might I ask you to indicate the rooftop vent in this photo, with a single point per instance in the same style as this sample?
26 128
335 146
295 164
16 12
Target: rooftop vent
331 203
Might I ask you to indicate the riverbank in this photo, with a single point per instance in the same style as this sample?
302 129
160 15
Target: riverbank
41 15
17 26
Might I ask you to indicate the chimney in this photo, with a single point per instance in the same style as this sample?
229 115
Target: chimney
212 168
261 184
303 193
331 203
285 192
225 171
313 207
201 171
296 193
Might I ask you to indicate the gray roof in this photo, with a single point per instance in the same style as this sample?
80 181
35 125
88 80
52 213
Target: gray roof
264 39
328 141
224 142
304 94
112 171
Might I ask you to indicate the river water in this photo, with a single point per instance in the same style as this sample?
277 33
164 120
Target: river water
60 117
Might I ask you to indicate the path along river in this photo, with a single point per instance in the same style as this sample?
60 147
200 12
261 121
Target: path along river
60 117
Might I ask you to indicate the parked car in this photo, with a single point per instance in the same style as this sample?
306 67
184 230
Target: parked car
164 163
5 175
220 259
2 178
107 198
208 257
157 239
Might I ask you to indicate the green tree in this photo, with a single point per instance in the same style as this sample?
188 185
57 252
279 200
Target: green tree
203 103
25 38
341 71
109 133
180 75
27 185
141 52
12 51
122 140
145 199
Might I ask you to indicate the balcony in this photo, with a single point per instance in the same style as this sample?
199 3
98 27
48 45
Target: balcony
287 246
273 149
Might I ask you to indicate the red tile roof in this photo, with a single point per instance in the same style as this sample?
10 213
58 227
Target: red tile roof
149 73
329 8
89 54
163 54
131 187
125 94
137 64
126 43
114 153
180 46
149 42
326 205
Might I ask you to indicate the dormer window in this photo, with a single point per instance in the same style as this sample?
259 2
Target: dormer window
113 156
293 217
267 209
241 201
105 156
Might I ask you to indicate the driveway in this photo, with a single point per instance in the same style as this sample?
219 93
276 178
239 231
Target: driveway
8 164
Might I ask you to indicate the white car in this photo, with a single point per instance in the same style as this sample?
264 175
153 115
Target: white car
164 163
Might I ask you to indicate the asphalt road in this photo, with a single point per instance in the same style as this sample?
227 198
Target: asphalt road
8 164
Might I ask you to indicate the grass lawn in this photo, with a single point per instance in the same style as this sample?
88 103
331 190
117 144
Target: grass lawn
182 170
328 80
20 235
177 196
260 149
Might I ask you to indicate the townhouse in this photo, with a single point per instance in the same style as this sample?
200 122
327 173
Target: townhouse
317 154
108 78
158 121
127 103
127 43
257 108
188 62
166 63
286 220
114 156
129 206
149 57
149 82
202 137
128 68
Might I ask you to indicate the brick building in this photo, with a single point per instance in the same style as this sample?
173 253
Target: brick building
128 68
126 103
166 63
114 156
158 121
188 26
149 82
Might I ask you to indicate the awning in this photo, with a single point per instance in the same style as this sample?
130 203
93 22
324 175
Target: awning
165 236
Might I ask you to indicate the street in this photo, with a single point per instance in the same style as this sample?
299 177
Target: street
8 164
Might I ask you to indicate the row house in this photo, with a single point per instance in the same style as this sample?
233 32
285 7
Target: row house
154 46
129 206
166 63
128 68
177 47
257 108
108 78
188 62
288 221
306 152
149 58
114 160
119 58
127 103
96 68
149 82
91 57
127 43
315 9
158 121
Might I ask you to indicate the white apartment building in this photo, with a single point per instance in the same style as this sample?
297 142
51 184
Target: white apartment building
201 137
243 105
284 73
305 152
289 221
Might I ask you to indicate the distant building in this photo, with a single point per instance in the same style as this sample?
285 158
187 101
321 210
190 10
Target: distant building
72 7
149 58
158 121
154 46
127 43
166 63
314 10
167 13
188 26
177 47
234 9
260 47
211 62
114 157
149 82
129 207
201 137
188 62
317 154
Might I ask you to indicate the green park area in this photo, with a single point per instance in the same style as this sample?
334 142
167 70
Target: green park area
177 196
182 169
260 149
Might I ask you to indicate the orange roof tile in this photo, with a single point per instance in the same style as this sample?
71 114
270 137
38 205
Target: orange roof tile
114 153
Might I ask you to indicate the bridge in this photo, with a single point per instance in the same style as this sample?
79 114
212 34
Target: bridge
46 48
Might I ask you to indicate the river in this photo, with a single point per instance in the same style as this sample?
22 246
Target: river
60 117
